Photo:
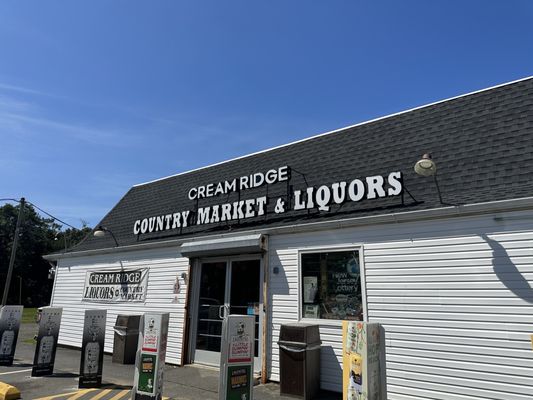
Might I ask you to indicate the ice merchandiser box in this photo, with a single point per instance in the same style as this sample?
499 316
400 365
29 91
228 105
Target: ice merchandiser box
361 364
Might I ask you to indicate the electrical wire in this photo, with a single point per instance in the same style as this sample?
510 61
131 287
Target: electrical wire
50 215
41 210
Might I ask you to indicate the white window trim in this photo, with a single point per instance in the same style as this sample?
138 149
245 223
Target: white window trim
325 249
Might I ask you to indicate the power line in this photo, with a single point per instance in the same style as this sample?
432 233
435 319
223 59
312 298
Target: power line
41 210
51 216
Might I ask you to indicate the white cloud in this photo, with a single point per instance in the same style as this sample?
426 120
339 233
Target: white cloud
24 90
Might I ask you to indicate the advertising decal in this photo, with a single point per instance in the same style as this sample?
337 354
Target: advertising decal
10 317
238 382
115 286
92 349
45 351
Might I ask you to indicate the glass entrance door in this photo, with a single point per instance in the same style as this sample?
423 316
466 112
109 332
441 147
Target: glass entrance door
245 294
229 286
211 309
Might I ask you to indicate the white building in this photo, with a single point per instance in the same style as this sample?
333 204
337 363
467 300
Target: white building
339 226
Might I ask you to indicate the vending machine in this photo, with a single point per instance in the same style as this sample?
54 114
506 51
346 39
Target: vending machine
150 361
237 358
361 361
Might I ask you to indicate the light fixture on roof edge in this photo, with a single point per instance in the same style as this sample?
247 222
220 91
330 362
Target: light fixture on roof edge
426 166
100 231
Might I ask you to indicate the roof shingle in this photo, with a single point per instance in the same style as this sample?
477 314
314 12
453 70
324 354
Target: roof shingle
482 144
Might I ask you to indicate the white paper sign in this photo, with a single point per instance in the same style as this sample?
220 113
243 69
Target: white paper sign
115 286
240 340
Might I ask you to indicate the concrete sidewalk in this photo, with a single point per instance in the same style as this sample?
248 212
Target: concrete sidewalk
188 382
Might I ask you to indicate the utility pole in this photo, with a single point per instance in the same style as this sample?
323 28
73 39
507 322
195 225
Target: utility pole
20 289
13 252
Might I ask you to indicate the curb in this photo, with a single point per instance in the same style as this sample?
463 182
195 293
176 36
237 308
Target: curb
8 392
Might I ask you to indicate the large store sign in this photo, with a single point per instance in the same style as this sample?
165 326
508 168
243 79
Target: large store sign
323 198
115 286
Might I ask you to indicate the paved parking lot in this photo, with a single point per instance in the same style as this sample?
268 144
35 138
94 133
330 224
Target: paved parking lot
189 382
93 394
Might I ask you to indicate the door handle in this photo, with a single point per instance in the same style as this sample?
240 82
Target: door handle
222 312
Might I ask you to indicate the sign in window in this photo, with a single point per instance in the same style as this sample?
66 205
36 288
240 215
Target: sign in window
331 285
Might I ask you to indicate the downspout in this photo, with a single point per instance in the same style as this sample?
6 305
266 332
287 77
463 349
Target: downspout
265 311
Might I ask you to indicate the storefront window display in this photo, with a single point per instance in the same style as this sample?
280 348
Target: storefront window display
331 285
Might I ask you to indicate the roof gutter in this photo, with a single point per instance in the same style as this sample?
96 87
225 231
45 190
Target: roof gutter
402 217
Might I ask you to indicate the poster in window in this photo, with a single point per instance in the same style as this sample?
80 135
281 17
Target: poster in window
310 288
311 311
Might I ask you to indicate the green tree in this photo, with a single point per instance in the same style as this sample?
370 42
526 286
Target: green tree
38 236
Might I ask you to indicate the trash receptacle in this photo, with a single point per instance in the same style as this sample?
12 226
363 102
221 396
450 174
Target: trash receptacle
299 359
126 338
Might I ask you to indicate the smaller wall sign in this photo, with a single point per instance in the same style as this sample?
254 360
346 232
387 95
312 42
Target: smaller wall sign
115 286
10 317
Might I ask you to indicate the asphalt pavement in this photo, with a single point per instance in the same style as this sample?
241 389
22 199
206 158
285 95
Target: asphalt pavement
188 382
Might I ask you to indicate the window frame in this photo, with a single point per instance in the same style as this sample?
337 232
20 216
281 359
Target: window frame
330 249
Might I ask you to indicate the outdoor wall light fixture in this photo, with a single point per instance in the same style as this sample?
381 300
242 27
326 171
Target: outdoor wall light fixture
100 231
426 166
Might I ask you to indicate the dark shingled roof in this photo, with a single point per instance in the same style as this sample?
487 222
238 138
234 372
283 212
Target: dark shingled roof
482 144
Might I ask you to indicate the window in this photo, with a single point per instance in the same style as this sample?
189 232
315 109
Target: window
331 285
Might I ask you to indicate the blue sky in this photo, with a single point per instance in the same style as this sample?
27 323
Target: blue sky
96 96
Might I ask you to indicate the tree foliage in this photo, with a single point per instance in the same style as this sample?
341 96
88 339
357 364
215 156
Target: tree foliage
37 236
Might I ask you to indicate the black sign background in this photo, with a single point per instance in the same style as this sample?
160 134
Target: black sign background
9 331
45 351
92 349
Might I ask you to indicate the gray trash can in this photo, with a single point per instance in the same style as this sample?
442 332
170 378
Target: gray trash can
126 338
299 359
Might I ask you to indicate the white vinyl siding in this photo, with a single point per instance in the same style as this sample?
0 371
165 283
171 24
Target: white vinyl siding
454 296
163 265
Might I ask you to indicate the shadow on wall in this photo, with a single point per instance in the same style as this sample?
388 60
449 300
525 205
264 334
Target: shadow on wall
507 272
327 354
278 280
278 285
